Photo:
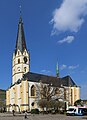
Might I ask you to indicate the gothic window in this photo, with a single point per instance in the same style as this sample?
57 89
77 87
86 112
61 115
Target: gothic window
18 61
32 90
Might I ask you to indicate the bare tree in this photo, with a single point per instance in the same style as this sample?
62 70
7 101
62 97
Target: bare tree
47 92
50 96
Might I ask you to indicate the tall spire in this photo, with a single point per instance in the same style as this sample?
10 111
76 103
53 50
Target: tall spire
57 70
20 42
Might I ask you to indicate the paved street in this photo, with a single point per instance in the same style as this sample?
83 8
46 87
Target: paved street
41 117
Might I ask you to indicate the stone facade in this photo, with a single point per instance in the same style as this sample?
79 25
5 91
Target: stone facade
24 93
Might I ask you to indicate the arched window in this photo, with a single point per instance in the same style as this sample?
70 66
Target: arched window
32 90
18 61
24 69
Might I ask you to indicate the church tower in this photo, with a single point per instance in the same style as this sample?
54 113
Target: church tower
21 58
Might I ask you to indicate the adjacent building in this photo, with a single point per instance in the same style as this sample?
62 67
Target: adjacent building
24 92
2 100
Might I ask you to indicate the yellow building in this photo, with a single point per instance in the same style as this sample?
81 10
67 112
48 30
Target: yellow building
24 93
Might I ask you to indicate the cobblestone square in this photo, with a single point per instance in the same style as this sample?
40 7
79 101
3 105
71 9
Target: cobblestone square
41 117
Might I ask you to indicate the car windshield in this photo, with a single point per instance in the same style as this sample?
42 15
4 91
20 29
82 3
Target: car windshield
71 109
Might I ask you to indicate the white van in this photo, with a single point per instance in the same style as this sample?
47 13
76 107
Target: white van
73 110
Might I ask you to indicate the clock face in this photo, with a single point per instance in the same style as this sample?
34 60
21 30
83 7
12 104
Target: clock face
25 59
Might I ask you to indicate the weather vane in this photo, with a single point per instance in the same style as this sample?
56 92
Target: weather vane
20 8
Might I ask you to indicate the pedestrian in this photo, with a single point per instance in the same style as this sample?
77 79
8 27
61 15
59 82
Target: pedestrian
25 116
13 112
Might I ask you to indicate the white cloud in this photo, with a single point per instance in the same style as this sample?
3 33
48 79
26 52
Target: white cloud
63 67
70 16
67 39
73 67
46 71
43 70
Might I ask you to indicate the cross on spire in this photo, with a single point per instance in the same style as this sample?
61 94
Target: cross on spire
20 7
20 10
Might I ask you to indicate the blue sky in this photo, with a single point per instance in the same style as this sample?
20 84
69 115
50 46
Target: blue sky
55 30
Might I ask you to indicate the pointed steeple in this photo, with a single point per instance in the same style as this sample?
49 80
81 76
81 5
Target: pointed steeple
20 42
57 70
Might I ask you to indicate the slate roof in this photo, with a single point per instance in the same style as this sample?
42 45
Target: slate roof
20 42
67 81
51 80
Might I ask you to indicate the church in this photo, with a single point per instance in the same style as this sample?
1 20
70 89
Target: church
24 92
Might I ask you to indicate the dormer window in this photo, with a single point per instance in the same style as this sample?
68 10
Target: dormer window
18 53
